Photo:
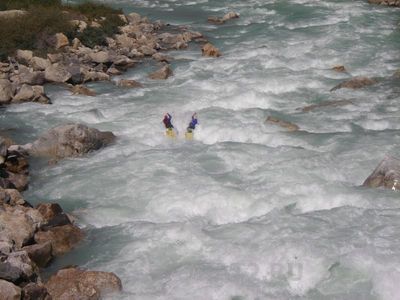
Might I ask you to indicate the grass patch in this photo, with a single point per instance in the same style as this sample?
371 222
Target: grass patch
44 18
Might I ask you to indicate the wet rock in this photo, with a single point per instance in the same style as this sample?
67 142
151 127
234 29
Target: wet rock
71 140
340 69
9 291
95 76
74 283
57 73
162 73
210 50
287 125
386 174
82 90
215 20
386 2
113 71
62 238
122 60
19 181
229 16
49 210
40 254
335 103
28 93
129 83
355 83
35 291
161 57
6 91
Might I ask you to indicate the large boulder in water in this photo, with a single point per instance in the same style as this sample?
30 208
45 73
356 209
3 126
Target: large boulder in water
386 2
74 283
210 50
386 174
71 140
355 83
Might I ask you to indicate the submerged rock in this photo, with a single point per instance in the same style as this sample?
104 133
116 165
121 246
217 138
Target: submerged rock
82 90
289 126
210 50
386 174
74 283
162 73
355 83
334 103
386 2
71 140
340 69
129 83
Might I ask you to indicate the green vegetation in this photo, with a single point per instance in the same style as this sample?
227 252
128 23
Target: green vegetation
44 18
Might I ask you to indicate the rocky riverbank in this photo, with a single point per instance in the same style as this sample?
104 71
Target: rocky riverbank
31 237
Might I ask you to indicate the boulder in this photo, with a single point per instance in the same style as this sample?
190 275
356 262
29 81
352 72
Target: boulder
40 254
12 13
35 291
40 64
95 76
18 181
6 91
335 103
134 53
287 125
26 75
386 174
15 197
62 238
161 57
49 210
24 56
340 69
76 43
355 83
386 2
17 225
71 140
129 83
113 71
210 50
162 73
3 146
9 291
17 162
60 40
24 94
215 20
19 268
73 283
146 50
57 73
100 57
125 41
134 18
229 16
122 60
82 90
55 57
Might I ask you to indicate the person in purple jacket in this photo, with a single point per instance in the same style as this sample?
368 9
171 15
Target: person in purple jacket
193 123
167 121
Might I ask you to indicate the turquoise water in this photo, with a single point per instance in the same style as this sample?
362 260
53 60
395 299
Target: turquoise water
246 210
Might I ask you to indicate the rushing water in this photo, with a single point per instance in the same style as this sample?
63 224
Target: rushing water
246 210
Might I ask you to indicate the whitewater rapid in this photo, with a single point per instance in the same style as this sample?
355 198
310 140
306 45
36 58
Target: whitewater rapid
247 210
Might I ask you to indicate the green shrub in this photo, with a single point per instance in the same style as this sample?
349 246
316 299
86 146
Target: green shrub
25 4
32 31
92 36
94 10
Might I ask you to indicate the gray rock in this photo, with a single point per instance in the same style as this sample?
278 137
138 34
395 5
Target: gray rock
9 291
6 91
57 73
40 64
386 174
71 140
40 254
